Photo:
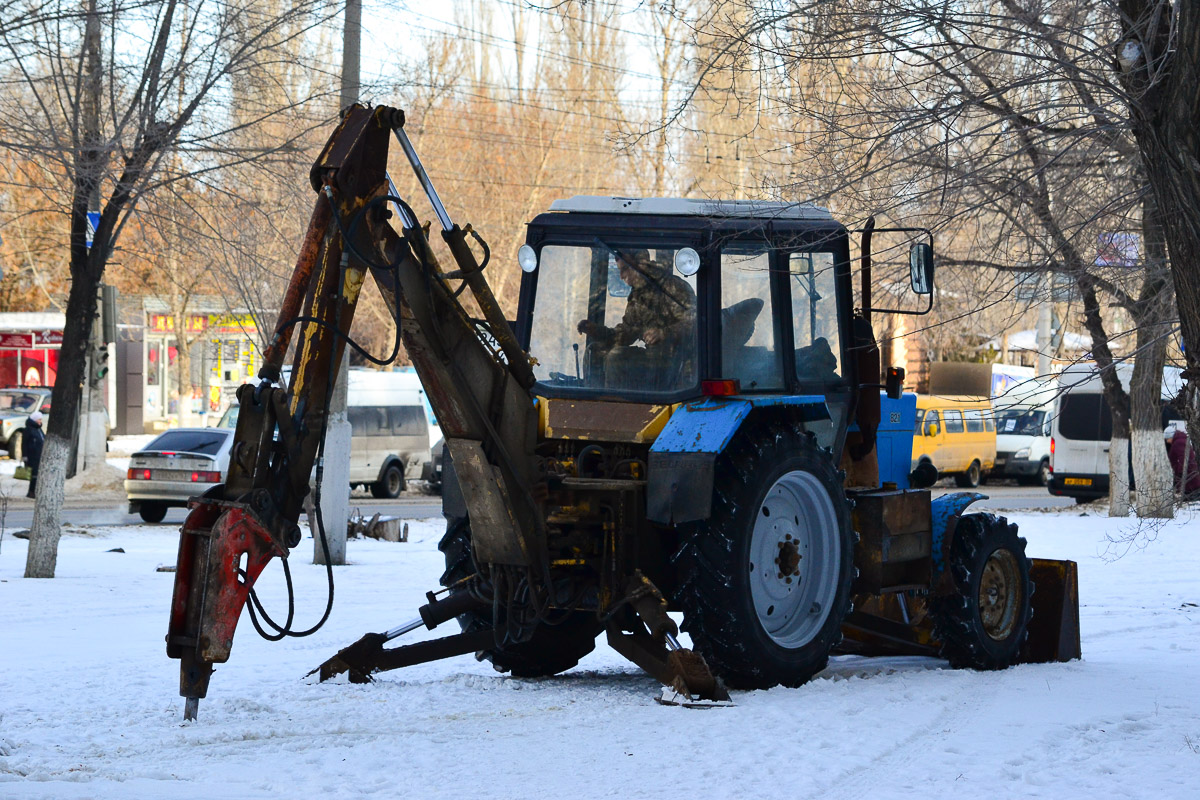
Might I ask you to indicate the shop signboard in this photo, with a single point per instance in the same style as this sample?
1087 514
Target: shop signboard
18 341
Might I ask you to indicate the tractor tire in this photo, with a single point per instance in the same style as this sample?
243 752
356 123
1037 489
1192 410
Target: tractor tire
764 583
390 484
969 479
983 623
552 648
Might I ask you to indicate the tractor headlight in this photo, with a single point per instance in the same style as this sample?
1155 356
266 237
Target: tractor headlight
687 261
1022 453
527 258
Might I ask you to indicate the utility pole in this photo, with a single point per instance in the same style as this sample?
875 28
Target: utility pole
1044 343
335 475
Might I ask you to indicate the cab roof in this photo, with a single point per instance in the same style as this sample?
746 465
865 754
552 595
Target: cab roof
681 206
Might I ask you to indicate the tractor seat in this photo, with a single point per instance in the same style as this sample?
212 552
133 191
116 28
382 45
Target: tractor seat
737 321
755 367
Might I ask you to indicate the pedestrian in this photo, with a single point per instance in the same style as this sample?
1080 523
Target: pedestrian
31 443
1177 446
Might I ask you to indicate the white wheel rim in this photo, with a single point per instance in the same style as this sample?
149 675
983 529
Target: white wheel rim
794 559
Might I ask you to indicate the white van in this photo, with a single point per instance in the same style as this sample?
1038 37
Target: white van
389 429
1024 416
1082 428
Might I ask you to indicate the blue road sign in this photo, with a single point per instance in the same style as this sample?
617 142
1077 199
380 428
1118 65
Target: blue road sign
93 219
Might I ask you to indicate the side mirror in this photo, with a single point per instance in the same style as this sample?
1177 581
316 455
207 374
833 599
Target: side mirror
931 429
920 267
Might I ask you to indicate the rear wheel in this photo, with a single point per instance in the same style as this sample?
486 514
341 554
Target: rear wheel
970 478
983 623
552 648
765 582
153 512
390 483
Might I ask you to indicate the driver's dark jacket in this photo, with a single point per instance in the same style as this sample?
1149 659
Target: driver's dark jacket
664 301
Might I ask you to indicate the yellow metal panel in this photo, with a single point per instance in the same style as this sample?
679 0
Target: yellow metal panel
601 420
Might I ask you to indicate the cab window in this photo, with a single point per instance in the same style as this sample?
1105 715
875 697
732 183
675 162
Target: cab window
931 418
954 421
814 316
611 316
749 352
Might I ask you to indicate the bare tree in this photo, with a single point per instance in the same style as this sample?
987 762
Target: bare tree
119 117
1157 57
997 122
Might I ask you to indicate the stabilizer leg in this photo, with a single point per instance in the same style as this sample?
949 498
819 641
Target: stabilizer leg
643 633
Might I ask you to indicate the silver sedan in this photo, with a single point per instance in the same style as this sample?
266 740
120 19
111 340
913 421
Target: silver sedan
178 465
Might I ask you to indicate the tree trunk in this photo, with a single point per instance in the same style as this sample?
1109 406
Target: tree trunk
65 397
1163 81
80 314
1118 472
43 539
1151 468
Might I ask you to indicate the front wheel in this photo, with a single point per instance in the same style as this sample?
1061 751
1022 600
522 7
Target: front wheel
983 622
390 484
765 581
970 478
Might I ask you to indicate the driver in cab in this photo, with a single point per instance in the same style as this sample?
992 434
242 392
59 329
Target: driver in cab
660 312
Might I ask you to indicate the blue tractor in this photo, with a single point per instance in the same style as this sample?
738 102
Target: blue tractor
687 415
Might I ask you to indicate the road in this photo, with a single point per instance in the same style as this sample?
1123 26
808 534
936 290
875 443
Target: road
112 511
1009 497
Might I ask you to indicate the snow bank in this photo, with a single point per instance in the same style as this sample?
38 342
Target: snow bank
89 705
98 478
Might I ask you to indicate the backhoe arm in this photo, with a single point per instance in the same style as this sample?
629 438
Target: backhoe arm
475 375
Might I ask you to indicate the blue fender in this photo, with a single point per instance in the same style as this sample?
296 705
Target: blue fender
679 486
945 511
708 426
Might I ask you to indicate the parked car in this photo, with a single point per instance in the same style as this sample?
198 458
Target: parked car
957 435
16 404
179 464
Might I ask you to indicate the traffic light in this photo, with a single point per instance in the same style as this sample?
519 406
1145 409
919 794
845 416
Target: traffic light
99 363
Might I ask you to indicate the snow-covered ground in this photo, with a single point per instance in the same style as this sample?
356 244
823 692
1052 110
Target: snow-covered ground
89 705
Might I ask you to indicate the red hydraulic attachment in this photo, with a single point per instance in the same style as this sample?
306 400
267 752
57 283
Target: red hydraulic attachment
222 550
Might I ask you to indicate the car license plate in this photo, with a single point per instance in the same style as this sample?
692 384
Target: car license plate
1077 481
1000 462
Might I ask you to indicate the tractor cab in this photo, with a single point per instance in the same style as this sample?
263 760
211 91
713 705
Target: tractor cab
666 300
